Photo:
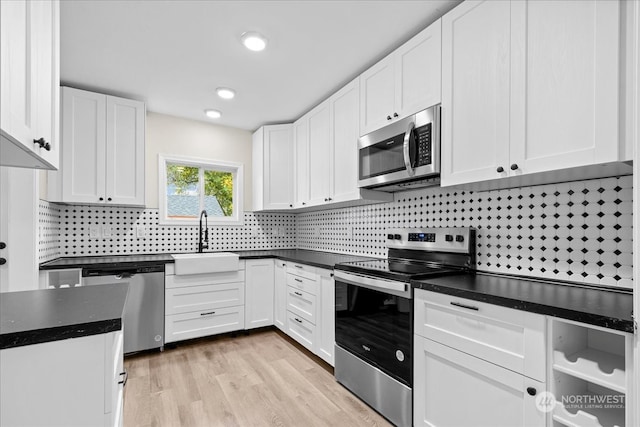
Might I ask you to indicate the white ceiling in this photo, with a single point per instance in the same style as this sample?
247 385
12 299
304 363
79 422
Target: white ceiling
174 54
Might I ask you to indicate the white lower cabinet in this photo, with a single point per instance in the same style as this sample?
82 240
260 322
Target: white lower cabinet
199 305
453 388
259 297
280 295
327 316
72 382
476 364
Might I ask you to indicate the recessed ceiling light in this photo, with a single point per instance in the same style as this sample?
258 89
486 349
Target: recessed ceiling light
253 41
225 92
214 114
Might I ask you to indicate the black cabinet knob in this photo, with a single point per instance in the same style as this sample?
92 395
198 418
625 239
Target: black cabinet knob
42 143
101 199
290 206
500 169
532 391
303 203
514 167
109 199
388 117
3 261
395 114
3 245
448 238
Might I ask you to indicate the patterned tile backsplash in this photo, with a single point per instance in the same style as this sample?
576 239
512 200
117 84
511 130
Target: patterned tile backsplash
578 231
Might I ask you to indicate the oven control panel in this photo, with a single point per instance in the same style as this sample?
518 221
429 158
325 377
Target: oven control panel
444 239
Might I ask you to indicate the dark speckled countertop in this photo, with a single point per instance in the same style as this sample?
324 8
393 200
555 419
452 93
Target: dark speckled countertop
608 308
314 258
39 316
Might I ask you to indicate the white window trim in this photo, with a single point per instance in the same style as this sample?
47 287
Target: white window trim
236 169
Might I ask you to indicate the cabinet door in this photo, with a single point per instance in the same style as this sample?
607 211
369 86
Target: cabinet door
17 46
377 96
446 380
319 154
46 78
565 84
418 71
125 130
301 143
83 138
278 167
259 288
344 112
475 91
280 296
327 317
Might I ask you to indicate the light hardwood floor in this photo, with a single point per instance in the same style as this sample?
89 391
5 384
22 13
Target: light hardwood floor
260 379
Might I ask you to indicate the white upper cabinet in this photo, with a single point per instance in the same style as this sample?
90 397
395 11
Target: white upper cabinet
320 142
301 149
529 87
273 168
344 130
102 151
29 75
475 91
403 83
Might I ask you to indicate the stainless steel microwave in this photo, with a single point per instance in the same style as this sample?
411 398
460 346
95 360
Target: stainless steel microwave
402 155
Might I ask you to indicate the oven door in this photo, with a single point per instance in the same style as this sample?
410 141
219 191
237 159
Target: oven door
404 150
375 324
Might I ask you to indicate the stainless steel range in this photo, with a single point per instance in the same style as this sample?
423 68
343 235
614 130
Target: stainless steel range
374 313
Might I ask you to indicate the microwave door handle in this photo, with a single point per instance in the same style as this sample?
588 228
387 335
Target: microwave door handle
407 142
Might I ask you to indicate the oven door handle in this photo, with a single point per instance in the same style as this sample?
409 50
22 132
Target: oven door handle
391 286
405 149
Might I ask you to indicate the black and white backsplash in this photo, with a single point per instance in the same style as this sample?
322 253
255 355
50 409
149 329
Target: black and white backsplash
578 231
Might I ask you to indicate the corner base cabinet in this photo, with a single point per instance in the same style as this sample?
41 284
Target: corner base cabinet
72 382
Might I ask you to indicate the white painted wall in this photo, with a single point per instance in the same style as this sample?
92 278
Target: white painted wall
174 135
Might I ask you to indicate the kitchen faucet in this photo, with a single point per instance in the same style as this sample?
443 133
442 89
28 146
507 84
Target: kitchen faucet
203 243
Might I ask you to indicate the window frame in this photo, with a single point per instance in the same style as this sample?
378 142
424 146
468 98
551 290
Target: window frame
237 169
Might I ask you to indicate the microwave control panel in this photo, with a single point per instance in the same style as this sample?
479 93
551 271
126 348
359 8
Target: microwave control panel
423 144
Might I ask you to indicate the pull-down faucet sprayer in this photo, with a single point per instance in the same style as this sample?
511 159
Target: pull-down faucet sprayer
203 243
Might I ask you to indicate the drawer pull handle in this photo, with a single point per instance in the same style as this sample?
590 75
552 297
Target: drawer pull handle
532 391
125 376
297 266
468 307
207 313
297 320
298 293
298 280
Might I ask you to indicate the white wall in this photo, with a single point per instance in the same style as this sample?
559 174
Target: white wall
178 136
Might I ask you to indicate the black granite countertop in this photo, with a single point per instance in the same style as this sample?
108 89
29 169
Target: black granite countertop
314 258
107 261
44 315
609 308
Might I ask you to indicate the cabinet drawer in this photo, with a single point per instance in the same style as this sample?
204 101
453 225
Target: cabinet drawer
203 323
203 279
510 338
302 270
302 304
301 330
303 283
197 298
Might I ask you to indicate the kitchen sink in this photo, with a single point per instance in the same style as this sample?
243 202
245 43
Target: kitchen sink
208 262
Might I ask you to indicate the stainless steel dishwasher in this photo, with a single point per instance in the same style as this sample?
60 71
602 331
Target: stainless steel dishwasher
143 317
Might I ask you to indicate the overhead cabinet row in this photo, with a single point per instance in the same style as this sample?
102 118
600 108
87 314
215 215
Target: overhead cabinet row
530 92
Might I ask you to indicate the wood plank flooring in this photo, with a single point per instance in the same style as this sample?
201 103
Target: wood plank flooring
260 379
